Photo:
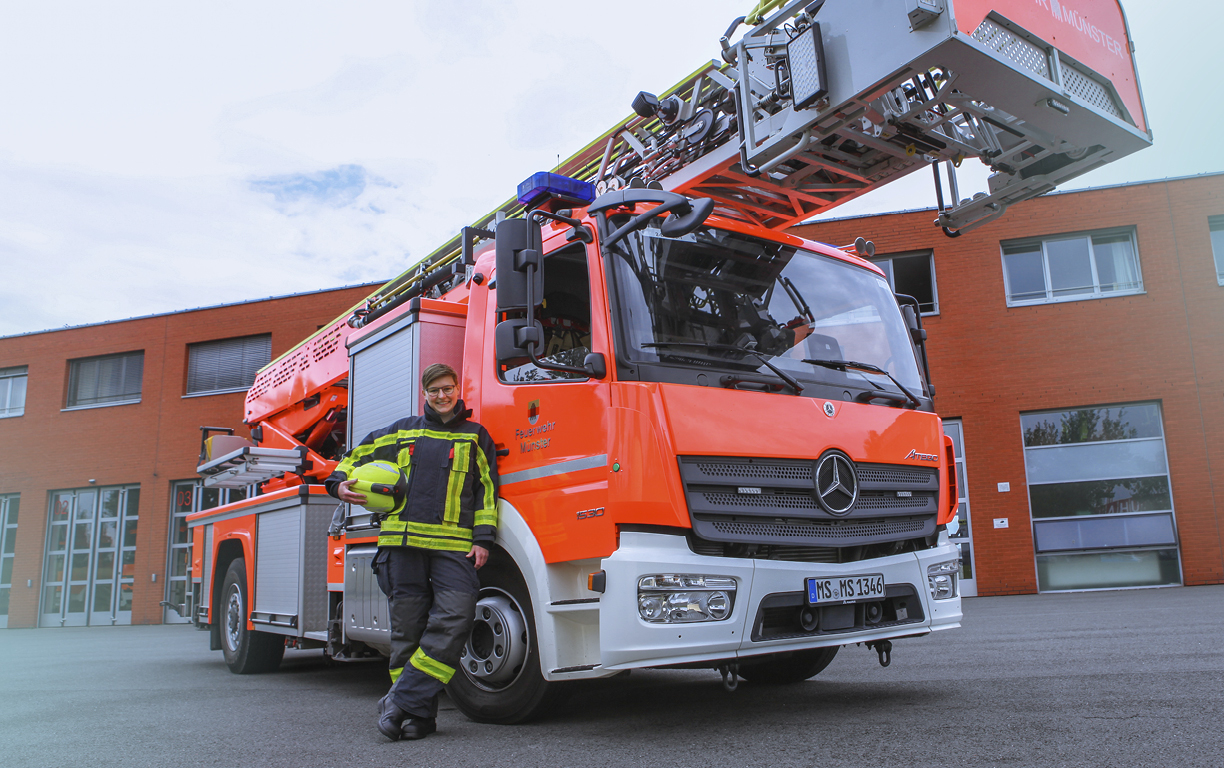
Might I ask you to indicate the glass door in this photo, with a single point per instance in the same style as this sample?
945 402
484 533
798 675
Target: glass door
186 497
106 561
79 552
8 548
90 561
959 530
52 614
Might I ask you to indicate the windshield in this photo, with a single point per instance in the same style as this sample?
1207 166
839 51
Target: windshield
698 300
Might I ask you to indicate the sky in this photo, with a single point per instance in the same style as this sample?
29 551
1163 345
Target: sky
158 156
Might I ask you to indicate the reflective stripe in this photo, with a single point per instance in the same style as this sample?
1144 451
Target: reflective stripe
448 538
365 452
440 545
432 667
404 459
395 673
448 531
560 468
458 478
487 514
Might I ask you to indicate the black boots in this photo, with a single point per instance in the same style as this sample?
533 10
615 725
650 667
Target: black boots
418 727
390 718
396 724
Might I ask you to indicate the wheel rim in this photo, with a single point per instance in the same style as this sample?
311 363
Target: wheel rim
496 650
233 618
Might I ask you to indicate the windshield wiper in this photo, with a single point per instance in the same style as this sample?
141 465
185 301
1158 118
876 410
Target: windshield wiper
843 365
790 380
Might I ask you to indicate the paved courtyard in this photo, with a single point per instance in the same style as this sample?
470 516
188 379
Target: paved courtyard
1128 678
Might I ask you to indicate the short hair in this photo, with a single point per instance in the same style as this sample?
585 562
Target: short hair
437 371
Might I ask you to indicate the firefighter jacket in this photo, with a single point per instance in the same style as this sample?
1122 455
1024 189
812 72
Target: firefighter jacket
451 499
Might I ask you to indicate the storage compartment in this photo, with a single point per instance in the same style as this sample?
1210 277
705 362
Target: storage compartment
291 565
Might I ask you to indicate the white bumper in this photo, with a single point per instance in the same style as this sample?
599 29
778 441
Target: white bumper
626 641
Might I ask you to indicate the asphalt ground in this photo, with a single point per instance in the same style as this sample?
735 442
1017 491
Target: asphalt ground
1126 678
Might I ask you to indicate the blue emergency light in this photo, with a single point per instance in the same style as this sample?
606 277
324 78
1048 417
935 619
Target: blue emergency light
543 184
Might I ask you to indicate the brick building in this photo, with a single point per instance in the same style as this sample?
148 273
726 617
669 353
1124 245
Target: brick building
1076 343
1077 349
99 436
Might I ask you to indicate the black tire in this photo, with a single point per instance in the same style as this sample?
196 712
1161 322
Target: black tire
246 652
791 667
502 683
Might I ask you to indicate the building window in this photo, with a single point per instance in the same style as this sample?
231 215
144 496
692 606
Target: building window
913 275
1071 267
8 548
227 365
1102 508
107 380
1216 223
12 391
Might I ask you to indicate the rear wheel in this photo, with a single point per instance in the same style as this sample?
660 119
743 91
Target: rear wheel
246 652
783 668
499 679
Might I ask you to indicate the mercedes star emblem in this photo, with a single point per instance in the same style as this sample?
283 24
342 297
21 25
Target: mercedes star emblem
836 483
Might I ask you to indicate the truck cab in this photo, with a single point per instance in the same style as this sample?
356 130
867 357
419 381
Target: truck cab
718 449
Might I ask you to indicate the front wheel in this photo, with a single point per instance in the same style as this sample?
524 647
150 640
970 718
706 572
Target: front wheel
499 678
246 652
791 667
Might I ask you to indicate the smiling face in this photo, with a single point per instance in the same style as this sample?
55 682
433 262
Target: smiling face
442 394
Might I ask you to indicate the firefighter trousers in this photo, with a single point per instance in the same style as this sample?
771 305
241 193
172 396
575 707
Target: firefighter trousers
433 604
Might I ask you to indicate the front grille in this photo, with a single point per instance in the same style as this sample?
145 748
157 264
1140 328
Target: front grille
789 553
877 473
814 532
772 501
782 486
891 502
755 471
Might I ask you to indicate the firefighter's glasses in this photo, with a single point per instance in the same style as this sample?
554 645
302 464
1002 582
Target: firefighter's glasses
439 391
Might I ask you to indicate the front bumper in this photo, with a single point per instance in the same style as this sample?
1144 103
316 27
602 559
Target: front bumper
627 641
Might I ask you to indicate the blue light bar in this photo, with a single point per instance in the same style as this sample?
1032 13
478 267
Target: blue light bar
544 183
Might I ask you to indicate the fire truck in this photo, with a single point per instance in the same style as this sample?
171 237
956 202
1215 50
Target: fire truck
717 444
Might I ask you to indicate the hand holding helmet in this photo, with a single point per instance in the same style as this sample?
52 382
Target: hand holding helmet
379 486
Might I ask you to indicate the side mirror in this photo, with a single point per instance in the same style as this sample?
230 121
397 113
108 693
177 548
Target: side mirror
679 226
519 246
913 322
595 365
917 332
512 337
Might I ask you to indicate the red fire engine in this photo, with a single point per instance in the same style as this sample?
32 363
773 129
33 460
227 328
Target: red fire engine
717 443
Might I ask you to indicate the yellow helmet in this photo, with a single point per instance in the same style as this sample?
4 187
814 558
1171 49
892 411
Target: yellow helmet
385 486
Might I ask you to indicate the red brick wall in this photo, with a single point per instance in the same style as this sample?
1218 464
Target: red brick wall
990 362
152 443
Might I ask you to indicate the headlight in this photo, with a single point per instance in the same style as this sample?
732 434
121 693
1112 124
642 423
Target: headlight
941 577
683 598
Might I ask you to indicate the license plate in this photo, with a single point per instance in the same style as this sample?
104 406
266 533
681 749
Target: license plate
846 589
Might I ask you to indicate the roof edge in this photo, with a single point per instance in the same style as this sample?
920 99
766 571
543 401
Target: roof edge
195 309
933 209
